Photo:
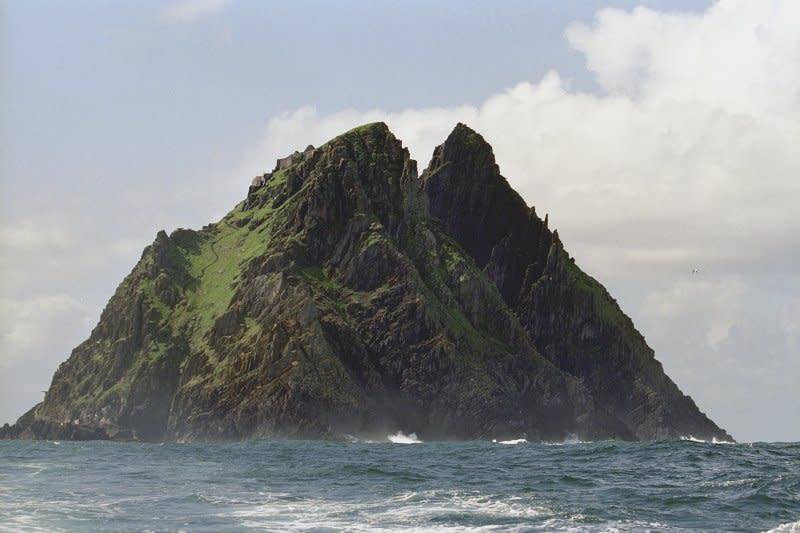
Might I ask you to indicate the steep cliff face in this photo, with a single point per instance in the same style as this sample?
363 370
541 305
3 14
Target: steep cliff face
330 302
570 317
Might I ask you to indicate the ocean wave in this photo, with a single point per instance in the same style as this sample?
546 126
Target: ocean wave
396 438
433 510
357 440
569 439
512 441
791 527
729 483
402 438
281 485
714 440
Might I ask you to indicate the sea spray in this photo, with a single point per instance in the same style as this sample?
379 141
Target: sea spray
402 438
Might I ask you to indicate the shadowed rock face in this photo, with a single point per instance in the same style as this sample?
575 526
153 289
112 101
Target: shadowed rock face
569 316
330 302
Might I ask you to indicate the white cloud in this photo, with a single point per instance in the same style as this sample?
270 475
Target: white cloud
790 320
34 331
29 236
30 326
187 11
735 57
707 310
725 343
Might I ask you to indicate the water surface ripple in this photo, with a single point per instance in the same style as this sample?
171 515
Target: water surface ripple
277 485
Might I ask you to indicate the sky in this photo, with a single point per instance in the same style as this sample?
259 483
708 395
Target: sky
660 137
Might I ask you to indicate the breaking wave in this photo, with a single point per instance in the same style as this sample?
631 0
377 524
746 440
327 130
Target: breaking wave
512 441
793 527
402 438
430 510
714 440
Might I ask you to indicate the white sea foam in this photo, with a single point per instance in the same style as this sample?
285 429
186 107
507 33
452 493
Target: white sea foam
569 439
402 438
575 524
512 441
420 511
714 440
358 440
729 483
793 527
408 511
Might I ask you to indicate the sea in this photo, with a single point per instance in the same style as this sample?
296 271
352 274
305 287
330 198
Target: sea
400 484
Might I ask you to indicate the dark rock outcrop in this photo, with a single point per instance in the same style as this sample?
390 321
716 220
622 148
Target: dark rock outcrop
570 317
331 302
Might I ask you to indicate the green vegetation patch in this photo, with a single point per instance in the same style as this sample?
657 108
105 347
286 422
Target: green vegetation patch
332 293
605 306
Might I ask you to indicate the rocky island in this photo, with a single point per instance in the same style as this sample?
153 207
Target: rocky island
348 295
